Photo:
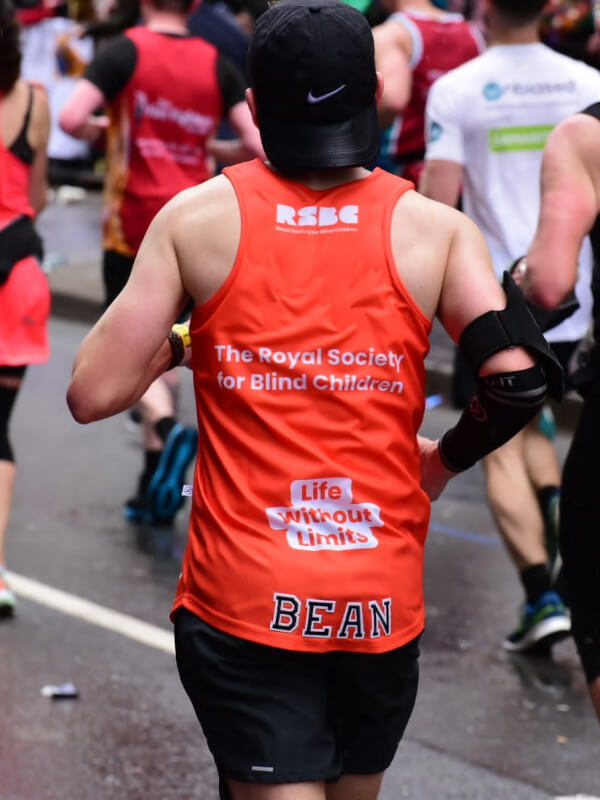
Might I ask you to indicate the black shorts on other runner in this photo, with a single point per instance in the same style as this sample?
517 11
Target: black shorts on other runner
116 269
279 716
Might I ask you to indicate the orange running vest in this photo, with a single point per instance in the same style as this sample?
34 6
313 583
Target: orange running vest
308 521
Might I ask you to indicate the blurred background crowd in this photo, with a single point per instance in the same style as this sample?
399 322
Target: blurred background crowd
138 105
60 38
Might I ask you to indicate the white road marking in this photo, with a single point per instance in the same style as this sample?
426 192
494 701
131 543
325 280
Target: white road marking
95 614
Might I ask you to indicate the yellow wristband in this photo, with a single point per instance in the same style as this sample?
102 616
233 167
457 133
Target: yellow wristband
182 329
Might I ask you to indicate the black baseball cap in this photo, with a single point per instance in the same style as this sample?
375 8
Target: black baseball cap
311 64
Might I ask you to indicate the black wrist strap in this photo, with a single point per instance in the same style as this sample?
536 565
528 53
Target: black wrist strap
177 348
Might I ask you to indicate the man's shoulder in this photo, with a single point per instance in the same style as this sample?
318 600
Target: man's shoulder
429 217
142 36
115 45
204 205
567 63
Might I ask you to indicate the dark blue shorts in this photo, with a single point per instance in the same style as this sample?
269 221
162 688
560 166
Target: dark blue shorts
280 716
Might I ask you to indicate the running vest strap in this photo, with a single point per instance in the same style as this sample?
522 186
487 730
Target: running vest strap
308 520
15 170
21 147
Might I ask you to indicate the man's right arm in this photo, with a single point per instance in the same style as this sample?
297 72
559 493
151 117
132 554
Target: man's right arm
442 176
106 75
248 144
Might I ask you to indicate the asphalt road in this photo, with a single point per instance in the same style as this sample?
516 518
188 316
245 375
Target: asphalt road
485 725
95 592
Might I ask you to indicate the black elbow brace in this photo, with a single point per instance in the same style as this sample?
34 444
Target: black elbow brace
504 404
514 326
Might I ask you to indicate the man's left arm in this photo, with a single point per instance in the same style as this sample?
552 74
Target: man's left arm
128 347
568 210
393 52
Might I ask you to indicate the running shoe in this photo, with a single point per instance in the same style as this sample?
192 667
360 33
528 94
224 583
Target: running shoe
8 601
546 621
136 510
163 496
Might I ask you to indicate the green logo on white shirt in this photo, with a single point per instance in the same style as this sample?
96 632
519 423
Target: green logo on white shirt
532 137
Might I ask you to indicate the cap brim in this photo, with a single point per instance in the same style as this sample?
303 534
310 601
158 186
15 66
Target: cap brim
303 145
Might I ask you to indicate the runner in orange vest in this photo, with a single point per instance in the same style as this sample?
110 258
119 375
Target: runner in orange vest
299 608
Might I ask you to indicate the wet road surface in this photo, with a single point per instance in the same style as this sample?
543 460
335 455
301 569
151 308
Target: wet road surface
486 726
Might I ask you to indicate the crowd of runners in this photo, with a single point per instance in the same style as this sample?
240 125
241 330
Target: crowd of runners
390 163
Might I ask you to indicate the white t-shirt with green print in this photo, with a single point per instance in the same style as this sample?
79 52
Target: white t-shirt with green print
493 115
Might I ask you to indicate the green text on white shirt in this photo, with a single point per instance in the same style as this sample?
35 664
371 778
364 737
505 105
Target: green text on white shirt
532 137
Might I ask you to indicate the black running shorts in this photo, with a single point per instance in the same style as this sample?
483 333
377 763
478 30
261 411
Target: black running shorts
116 269
280 716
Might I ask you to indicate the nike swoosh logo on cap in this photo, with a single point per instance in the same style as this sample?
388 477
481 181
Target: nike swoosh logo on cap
312 99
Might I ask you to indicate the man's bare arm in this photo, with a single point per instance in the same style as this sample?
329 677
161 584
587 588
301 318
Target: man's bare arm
125 351
76 117
392 58
442 180
460 287
187 252
248 144
470 288
569 206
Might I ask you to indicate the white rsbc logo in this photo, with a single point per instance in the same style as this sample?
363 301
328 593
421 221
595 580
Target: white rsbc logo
321 216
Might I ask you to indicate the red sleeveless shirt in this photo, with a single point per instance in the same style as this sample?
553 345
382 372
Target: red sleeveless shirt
25 296
308 520
440 43
159 125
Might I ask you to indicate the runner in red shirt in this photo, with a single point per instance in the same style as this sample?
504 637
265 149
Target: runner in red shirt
415 45
24 290
165 92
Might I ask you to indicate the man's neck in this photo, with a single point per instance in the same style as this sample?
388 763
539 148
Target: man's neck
501 32
165 21
320 179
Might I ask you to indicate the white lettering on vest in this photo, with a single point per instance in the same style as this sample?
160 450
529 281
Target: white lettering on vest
316 216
